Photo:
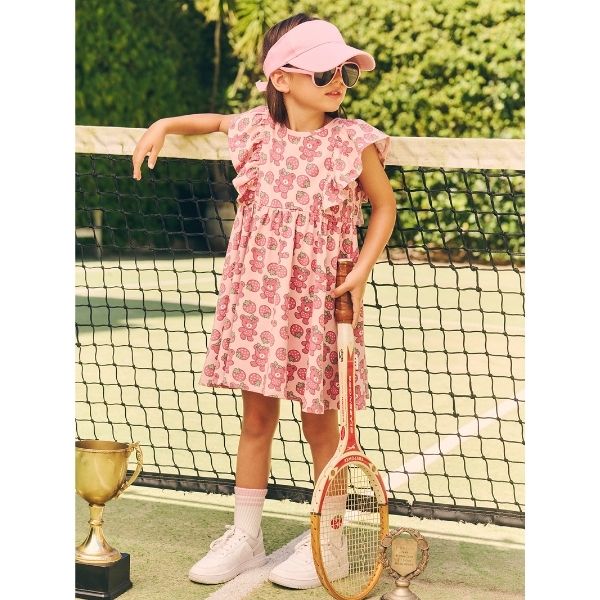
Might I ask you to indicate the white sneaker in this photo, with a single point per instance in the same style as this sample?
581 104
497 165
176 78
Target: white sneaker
231 554
298 571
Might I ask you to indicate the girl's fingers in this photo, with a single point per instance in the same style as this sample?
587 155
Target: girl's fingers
138 158
356 300
153 157
137 173
145 147
356 303
339 291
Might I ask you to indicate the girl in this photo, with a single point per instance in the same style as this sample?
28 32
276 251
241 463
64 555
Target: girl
302 174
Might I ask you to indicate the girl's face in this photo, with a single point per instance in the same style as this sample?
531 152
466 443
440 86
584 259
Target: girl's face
302 90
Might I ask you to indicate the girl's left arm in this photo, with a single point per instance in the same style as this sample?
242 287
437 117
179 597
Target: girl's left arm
378 189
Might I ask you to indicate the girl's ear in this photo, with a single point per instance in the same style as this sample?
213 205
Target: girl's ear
280 81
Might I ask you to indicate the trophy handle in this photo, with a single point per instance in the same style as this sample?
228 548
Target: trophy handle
140 463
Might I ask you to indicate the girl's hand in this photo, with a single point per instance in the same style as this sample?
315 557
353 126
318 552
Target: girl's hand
355 283
149 145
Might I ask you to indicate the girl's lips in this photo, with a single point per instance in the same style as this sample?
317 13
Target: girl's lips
334 94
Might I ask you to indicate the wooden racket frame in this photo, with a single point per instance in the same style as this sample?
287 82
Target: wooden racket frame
348 450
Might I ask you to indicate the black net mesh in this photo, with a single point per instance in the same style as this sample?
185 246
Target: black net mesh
444 334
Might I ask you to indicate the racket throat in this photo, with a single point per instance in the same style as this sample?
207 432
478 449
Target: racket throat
352 443
347 380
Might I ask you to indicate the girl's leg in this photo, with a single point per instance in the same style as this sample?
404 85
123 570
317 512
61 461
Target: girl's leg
261 414
322 434
298 571
241 547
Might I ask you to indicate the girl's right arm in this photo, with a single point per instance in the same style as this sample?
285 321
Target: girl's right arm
154 138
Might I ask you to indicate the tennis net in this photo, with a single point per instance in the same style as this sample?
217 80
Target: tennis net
444 323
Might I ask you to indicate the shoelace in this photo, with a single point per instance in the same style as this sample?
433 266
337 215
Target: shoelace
304 550
223 544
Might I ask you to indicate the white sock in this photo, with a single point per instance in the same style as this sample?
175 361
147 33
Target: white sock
334 508
248 510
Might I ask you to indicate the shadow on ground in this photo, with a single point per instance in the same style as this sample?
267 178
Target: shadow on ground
165 539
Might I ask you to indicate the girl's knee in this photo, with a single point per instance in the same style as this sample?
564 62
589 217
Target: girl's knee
320 429
261 414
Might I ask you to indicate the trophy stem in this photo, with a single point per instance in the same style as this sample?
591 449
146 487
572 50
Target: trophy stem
402 592
95 549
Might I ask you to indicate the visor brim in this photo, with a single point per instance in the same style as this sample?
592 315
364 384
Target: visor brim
331 54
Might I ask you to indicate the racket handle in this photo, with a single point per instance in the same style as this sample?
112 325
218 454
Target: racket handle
343 304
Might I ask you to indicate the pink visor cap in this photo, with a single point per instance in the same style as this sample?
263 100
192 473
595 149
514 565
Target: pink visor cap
313 46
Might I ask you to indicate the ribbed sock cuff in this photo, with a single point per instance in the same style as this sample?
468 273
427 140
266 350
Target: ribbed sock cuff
248 510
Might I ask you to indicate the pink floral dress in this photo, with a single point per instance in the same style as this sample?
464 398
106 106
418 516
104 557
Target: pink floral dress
299 204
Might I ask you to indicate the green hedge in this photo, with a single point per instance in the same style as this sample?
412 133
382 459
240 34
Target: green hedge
139 61
185 206
449 68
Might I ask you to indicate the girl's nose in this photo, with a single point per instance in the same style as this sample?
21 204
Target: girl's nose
337 78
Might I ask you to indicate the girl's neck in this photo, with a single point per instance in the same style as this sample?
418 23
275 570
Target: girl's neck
304 119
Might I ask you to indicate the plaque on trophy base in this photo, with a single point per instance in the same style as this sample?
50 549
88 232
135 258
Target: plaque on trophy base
102 582
404 555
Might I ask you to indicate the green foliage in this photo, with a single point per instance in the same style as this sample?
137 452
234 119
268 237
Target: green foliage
170 208
139 61
185 205
464 214
450 68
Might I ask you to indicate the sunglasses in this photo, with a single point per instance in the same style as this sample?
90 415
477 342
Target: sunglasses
350 74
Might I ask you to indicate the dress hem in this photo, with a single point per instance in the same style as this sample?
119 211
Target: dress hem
258 389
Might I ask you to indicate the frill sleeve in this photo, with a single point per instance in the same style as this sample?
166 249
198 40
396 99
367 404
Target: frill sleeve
246 136
347 163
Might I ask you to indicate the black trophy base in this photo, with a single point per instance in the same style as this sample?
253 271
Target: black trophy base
104 582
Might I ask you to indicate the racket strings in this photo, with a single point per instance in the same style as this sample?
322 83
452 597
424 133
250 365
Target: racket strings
350 531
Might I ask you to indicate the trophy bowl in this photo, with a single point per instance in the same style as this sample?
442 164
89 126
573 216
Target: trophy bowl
100 476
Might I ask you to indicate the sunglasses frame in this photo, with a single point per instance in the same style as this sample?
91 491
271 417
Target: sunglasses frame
337 69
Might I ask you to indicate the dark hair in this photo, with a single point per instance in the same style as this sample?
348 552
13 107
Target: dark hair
275 102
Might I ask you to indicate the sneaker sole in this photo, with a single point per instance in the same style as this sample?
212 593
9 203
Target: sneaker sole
296 584
257 561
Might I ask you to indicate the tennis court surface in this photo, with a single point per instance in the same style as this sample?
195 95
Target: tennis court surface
166 532
444 335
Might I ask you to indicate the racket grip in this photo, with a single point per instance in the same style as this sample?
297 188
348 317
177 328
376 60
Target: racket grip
343 304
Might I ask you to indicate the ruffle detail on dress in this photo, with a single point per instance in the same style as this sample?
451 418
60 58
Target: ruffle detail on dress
247 135
346 166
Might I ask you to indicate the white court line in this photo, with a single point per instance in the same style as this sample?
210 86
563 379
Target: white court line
493 535
418 464
245 583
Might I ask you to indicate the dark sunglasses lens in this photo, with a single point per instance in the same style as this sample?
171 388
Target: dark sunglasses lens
324 77
350 74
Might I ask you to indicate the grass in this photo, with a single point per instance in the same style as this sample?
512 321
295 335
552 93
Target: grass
165 536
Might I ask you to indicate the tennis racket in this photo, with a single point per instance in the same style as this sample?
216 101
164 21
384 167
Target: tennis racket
349 511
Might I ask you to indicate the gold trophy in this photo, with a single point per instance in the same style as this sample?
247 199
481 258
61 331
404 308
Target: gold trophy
404 555
101 571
